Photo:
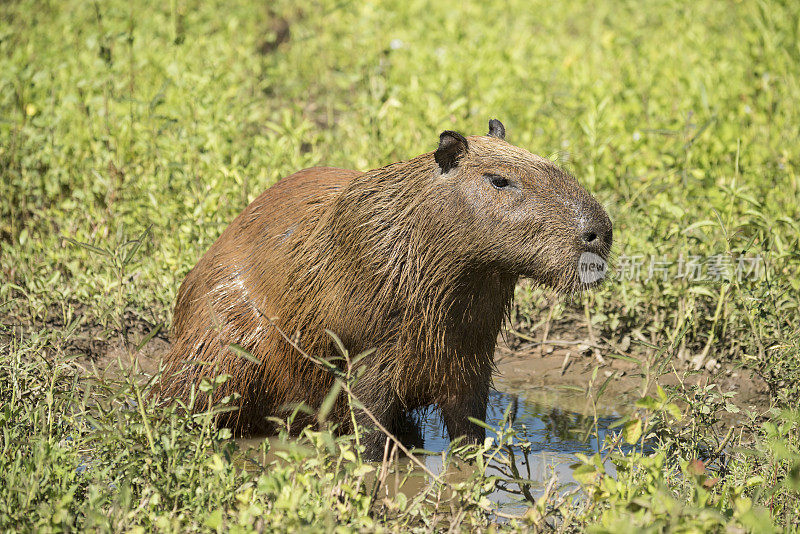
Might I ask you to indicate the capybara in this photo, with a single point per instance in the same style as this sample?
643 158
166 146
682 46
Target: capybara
417 260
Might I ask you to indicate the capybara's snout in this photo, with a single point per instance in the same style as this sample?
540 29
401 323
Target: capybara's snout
594 230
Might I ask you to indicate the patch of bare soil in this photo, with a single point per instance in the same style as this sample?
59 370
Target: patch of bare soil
90 345
524 365
143 344
120 357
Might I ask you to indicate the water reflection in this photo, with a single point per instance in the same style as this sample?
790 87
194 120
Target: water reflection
556 424
550 427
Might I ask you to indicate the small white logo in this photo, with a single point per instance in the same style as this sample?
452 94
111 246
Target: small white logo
591 268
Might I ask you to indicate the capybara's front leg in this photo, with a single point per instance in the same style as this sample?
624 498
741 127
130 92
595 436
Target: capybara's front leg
456 411
374 442
383 408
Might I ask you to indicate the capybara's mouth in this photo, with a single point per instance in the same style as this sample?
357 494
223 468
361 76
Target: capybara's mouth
567 286
590 271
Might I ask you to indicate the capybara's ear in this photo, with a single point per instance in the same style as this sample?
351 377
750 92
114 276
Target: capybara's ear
496 129
452 146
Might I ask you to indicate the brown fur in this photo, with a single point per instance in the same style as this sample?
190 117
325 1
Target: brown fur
415 262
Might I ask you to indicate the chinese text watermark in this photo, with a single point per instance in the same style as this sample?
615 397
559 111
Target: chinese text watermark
715 268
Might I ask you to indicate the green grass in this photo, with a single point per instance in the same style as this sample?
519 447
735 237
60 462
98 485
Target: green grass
144 128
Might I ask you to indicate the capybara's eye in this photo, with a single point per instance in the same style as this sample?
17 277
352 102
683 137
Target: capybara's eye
498 181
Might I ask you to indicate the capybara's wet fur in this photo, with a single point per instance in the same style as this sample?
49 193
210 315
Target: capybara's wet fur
417 260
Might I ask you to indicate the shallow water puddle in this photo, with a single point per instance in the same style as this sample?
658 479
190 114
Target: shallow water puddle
557 423
553 421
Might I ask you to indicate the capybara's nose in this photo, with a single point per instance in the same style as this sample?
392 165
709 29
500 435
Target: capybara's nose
595 233
589 237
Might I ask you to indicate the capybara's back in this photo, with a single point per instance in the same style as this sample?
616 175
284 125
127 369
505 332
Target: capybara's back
234 291
417 260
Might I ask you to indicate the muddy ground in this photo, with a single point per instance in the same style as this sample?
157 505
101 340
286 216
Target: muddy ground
571 366
525 364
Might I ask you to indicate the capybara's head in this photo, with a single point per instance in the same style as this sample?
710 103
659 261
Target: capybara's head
536 218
